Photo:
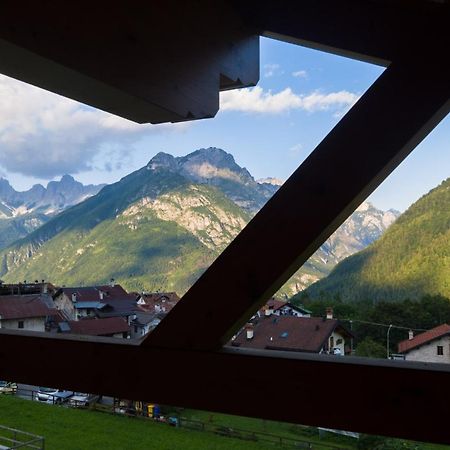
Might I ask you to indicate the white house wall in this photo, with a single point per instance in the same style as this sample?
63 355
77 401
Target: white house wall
30 324
428 352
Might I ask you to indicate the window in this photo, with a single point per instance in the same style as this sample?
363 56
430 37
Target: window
20 324
440 350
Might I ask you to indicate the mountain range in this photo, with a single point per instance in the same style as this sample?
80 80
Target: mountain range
23 212
411 260
161 226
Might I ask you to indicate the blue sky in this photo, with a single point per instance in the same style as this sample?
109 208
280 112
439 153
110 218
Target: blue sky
270 129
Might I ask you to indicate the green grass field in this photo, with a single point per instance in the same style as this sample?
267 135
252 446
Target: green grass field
71 429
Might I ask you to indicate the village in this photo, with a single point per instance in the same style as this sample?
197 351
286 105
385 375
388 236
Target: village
110 311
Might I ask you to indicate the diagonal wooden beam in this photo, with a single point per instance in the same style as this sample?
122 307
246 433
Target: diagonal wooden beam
371 140
401 399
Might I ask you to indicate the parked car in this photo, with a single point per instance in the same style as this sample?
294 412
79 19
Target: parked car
81 399
8 387
52 395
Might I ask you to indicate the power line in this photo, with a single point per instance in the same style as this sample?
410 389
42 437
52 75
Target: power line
384 325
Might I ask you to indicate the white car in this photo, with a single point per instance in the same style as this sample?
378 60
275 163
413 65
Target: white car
52 395
81 399
7 387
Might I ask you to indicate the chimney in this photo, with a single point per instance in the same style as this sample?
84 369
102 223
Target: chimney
329 312
112 282
74 297
268 310
100 293
410 334
249 331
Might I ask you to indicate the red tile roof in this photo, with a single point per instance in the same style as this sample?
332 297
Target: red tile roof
92 293
423 338
275 304
157 302
305 334
23 306
99 327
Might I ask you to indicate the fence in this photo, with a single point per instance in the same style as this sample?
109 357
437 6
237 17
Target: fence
257 436
10 439
237 433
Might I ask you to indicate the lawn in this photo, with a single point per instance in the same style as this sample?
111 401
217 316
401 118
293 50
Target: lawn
71 429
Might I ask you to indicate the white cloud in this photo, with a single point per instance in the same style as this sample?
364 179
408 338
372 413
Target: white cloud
295 149
271 70
300 74
44 135
256 100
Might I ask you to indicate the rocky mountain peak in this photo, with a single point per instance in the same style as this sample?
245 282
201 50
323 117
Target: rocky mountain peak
270 180
163 161
67 180
213 155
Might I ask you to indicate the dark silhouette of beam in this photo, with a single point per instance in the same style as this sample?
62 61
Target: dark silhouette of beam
155 62
370 141
400 399
374 31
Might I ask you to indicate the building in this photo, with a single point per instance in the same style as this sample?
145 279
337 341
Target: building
116 327
25 288
25 312
296 334
77 303
153 307
158 302
431 346
283 308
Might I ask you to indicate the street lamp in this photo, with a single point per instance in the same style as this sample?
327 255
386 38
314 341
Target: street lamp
387 341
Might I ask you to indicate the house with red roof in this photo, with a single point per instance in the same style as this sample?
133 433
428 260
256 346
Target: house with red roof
109 327
283 308
296 334
76 303
25 312
431 346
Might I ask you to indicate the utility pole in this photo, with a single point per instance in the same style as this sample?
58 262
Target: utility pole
351 339
387 341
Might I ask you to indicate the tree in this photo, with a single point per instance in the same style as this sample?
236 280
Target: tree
371 349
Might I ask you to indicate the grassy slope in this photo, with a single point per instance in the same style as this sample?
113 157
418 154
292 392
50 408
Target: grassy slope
410 260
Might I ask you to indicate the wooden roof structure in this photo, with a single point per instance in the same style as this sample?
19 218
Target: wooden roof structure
167 61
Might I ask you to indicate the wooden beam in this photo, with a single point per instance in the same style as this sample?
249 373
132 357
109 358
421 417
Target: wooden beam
370 141
399 399
371 31
145 61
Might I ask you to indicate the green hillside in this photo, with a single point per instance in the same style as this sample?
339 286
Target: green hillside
411 260
133 243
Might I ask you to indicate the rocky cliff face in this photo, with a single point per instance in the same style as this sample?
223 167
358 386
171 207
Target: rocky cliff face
23 212
364 226
213 166
57 196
